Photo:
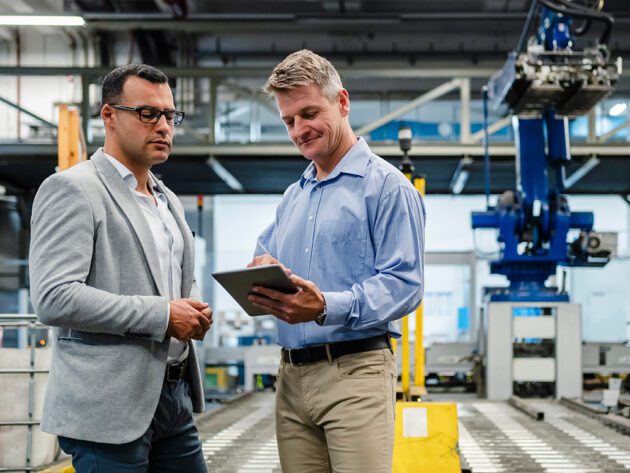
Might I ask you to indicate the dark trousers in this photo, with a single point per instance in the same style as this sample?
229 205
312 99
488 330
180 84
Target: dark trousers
170 445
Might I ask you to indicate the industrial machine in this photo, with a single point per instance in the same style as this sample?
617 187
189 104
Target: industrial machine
531 332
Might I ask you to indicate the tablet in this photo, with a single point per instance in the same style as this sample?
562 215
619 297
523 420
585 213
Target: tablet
239 283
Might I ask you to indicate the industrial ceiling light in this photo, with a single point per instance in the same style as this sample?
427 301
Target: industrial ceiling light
41 20
617 109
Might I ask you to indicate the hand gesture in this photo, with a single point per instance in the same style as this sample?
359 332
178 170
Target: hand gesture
265 260
188 319
303 306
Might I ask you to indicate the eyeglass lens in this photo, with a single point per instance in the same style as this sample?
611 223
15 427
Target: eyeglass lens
150 115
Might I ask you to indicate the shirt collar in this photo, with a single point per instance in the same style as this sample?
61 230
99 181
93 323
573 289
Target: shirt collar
128 176
355 162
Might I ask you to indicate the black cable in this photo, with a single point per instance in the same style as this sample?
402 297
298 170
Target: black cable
486 140
583 29
576 6
586 26
604 17
589 13
567 8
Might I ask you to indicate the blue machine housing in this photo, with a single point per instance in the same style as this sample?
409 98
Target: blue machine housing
555 31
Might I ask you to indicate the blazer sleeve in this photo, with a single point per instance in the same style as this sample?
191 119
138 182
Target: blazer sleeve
62 245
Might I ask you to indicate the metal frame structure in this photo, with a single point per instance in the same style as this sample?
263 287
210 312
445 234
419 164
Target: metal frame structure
459 78
28 321
564 327
205 140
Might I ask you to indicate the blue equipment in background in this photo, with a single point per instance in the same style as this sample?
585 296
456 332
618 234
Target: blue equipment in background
543 85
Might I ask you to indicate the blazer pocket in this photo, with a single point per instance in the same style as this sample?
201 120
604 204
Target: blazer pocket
79 341
82 354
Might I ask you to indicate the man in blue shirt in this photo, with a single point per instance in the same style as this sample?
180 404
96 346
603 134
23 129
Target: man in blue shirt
351 233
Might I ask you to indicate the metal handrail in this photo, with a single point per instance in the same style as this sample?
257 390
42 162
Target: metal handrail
30 322
17 317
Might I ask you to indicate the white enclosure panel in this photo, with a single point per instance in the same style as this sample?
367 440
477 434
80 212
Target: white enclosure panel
534 327
534 369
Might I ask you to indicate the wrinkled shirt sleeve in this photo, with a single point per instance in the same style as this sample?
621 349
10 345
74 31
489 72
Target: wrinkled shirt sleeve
397 287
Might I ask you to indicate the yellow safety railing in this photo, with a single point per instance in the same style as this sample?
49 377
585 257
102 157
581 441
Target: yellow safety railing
426 433
418 379
418 389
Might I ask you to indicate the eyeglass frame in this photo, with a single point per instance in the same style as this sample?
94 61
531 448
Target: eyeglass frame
138 110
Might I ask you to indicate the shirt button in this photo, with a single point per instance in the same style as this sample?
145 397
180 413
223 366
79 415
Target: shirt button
306 250
310 217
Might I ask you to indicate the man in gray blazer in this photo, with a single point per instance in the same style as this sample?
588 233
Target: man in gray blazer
111 267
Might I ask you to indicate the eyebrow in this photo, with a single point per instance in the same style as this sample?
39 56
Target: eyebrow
156 108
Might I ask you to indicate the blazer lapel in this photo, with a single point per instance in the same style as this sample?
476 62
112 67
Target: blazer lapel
188 269
124 198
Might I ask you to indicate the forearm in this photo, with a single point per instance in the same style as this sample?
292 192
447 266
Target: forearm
380 299
81 307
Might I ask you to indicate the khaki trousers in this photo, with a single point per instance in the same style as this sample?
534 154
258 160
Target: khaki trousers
337 417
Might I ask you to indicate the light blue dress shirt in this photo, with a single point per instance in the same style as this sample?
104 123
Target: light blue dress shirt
358 234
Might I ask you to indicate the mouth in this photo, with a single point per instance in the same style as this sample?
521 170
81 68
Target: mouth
161 143
303 142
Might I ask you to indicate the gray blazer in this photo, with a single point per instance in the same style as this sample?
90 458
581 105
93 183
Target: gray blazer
94 276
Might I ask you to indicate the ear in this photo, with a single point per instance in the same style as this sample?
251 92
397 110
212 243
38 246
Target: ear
107 114
344 102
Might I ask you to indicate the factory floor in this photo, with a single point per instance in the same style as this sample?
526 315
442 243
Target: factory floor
493 437
496 437
241 437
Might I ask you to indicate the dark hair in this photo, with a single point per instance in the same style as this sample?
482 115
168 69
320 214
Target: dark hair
113 83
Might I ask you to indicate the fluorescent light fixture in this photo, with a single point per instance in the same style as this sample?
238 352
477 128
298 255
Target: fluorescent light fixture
41 20
618 109
461 175
460 181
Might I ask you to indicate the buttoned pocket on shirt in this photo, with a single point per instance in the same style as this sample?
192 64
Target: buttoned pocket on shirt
342 245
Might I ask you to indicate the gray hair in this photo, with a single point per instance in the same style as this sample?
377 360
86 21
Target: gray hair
303 68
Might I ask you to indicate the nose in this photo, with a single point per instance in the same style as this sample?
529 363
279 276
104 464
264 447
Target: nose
162 126
300 127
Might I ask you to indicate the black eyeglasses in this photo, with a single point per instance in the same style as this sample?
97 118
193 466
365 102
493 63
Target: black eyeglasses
153 115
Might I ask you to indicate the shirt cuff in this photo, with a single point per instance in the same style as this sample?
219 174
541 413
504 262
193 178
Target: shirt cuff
338 306
168 316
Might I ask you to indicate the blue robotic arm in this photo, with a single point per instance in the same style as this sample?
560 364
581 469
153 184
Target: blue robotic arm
543 86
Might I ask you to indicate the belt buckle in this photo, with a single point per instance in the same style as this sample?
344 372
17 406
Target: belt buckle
290 357
291 362
179 368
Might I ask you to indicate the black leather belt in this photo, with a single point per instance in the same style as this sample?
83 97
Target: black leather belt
175 371
301 356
